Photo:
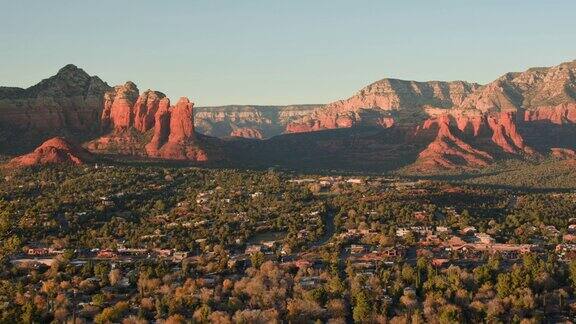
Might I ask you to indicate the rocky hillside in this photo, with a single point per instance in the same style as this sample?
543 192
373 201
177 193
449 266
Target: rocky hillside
67 104
539 93
248 121
56 150
384 103
523 114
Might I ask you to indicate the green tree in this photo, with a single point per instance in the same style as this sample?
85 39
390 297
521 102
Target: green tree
29 313
257 259
361 309
572 269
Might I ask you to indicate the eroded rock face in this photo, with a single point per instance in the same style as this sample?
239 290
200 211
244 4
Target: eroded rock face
448 150
538 94
54 151
561 114
384 102
181 121
180 142
69 103
145 109
129 118
505 133
247 133
528 90
467 124
437 124
119 107
563 153
161 128
470 141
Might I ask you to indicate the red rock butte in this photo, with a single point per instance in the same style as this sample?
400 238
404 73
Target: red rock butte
127 117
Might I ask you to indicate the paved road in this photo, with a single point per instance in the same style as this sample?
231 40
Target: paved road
329 230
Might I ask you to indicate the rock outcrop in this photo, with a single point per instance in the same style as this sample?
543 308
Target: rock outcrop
145 110
161 128
178 140
505 133
564 113
529 90
470 140
130 119
563 153
118 111
125 108
54 151
448 150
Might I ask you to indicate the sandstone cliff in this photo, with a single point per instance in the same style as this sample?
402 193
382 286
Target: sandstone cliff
174 136
146 125
384 103
466 124
539 93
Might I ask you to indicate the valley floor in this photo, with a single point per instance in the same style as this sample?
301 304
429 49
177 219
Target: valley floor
142 243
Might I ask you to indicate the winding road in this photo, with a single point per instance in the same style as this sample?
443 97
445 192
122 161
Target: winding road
329 230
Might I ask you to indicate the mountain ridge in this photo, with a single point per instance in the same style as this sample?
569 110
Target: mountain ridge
438 124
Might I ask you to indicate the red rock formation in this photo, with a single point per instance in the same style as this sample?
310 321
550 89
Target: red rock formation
380 103
145 110
161 128
118 112
505 134
447 151
182 122
267 120
246 133
54 151
128 117
561 114
463 124
494 118
180 142
305 125
124 108
528 90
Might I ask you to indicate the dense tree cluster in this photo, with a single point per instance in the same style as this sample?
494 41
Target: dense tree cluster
308 272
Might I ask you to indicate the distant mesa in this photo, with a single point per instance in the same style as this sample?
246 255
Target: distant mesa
248 121
56 150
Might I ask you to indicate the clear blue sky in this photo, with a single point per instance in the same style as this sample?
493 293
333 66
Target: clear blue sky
280 52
